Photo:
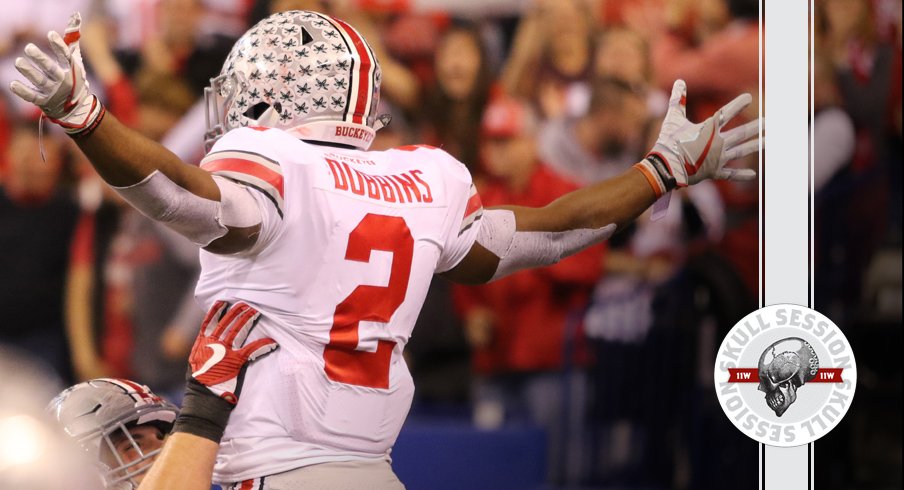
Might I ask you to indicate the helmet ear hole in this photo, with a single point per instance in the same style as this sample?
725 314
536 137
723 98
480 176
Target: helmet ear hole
256 111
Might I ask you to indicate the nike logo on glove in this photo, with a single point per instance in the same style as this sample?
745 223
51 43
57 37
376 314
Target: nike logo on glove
69 102
219 352
692 169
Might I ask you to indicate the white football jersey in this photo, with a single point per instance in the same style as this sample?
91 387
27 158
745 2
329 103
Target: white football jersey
349 244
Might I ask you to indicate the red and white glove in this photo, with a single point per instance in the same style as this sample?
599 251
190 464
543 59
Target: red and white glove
217 365
218 360
58 83
686 153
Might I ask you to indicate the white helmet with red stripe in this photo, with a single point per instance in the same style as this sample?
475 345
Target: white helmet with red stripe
306 73
99 413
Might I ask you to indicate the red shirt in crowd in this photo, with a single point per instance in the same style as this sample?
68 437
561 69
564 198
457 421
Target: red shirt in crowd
533 308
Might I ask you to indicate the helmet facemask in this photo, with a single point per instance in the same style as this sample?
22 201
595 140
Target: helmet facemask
218 97
118 473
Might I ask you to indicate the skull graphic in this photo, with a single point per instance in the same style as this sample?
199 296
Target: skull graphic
784 367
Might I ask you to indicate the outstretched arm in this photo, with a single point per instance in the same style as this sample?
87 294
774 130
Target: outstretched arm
153 179
123 157
513 238
542 236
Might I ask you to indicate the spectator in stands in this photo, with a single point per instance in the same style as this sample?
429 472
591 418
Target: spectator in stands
833 130
868 71
37 217
623 54
729 37
454 104
525 330
601 143
552 58
865 79
175 46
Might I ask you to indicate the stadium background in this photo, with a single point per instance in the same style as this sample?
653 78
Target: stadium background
592 374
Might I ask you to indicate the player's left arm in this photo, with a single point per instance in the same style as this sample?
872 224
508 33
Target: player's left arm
213 213
513 238
532 237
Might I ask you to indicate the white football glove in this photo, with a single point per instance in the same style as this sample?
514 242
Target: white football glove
58 84
687 153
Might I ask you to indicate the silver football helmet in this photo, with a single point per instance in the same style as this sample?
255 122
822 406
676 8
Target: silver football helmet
99 412
306 73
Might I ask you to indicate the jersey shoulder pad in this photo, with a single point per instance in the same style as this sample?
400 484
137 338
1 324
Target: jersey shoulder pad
250 157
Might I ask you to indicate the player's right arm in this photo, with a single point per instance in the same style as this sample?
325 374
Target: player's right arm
511 238
211 212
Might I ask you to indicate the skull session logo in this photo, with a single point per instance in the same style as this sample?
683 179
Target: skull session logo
785 375
782 373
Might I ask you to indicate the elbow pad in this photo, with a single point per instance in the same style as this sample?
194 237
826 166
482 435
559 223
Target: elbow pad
523 249
196 218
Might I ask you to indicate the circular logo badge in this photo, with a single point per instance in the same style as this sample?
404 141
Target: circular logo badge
785 375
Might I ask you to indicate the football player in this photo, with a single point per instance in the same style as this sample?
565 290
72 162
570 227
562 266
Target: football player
122 425
335 245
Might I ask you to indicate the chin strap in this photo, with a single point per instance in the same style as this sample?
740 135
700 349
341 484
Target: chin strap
382 121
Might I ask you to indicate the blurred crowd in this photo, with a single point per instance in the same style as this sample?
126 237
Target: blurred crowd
609 351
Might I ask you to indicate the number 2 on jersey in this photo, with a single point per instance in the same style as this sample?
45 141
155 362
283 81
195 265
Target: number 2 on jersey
342 361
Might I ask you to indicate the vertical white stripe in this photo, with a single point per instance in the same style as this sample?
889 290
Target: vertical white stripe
786 196
786 193
812 192
760 448
812 162
760 173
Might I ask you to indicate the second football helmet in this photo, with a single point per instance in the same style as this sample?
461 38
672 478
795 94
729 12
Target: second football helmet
306 73
99 412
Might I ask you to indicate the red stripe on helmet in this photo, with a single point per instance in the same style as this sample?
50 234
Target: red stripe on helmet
364 68
140 390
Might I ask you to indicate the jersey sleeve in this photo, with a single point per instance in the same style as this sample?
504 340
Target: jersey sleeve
463 219
245 157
